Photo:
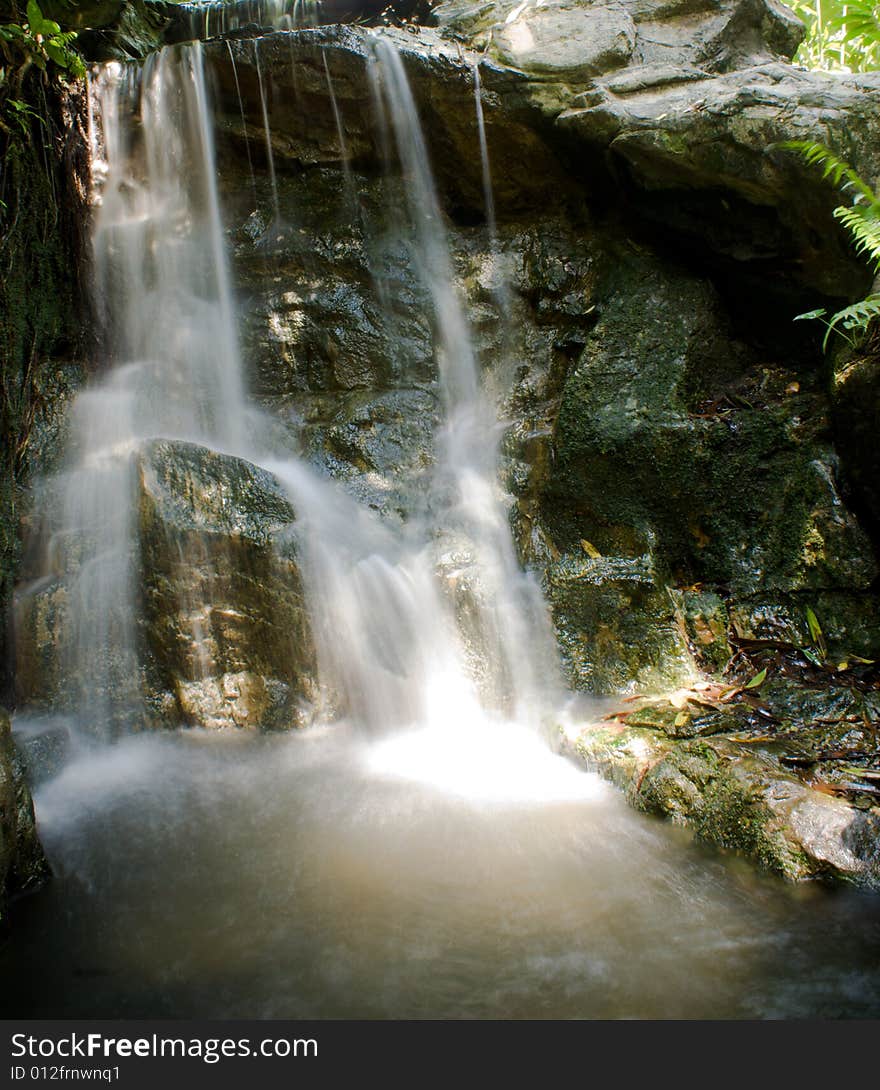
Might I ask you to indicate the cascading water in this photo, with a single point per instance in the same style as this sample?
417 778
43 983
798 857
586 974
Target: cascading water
382 882
270 157
164 305
466 508
429 624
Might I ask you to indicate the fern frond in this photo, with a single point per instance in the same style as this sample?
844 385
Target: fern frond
856 316
863 223
838 172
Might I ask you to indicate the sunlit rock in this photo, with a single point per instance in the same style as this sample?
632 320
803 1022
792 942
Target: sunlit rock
223 638
548 41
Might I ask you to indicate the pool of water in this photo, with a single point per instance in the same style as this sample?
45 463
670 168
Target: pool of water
321 875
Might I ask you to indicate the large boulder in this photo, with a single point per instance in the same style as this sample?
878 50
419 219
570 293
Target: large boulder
220 632
226 630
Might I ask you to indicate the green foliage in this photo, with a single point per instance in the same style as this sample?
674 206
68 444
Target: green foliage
838 172
862 221
817 653
841 34
39 41
757 681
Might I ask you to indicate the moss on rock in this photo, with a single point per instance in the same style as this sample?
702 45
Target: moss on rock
23 864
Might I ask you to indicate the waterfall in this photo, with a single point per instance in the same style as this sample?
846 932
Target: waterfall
164 303
508 611
270 158
432 623
244 132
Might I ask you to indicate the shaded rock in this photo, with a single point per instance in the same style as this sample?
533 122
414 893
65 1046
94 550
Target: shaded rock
23 865
303 125
136 29
746 496
616 625
855 397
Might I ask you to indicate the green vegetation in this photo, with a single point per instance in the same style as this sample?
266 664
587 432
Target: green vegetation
38 42
862 220
841 34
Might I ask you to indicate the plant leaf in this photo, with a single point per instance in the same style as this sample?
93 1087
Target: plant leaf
814 626
857 316
757 680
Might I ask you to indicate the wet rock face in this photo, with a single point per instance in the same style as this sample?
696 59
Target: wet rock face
221 630
674 472
798 799
226 631
681 434
23 865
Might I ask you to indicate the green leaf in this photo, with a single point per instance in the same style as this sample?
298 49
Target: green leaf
34 17
809 315
757 680
57 53
835 169
857 316
814 626
863 223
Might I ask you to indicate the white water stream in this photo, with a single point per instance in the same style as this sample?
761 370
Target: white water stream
386 602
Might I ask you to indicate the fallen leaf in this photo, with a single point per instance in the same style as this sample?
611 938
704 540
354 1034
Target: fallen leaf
757 680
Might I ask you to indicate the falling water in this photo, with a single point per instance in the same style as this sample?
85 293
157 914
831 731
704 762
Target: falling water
488 193
161 274
244 132
164 302
270 158
500 285
508 616
340 132
431 624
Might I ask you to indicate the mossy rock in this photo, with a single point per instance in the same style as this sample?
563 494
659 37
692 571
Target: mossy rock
616 625
740 799
746 497
23 864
